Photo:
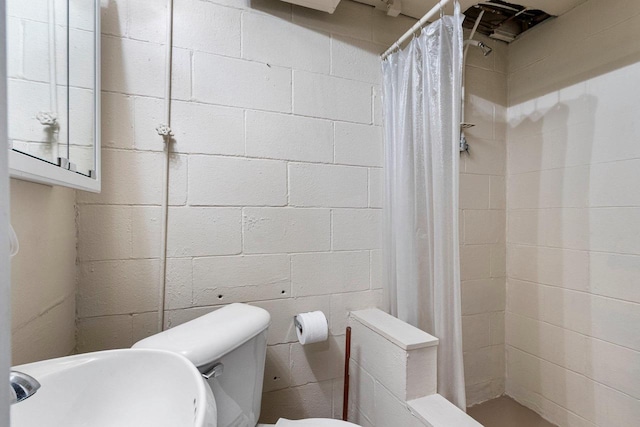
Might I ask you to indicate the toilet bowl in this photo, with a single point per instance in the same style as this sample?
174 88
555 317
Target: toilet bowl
228 346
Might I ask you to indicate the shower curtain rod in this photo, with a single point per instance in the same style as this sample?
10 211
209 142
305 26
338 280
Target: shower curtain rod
441 4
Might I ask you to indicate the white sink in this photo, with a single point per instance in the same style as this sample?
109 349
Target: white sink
123 388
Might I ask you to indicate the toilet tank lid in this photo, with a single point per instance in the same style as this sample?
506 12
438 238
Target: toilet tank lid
209 337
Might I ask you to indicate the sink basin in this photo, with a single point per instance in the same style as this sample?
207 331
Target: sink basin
129 387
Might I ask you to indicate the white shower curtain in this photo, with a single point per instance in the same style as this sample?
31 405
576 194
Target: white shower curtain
422 102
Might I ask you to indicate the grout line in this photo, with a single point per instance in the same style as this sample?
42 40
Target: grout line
239 107
240 156
580 291
563 248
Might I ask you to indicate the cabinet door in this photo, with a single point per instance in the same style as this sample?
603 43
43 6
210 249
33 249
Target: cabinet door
54 91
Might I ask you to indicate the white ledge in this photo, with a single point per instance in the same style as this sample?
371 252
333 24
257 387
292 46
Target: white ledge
402 334
436 411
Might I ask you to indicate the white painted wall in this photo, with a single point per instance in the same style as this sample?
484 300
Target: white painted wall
303 149
43 274
573 307
393 378
482 223
275 187
275 184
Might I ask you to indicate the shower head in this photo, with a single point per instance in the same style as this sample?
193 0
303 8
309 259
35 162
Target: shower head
486 50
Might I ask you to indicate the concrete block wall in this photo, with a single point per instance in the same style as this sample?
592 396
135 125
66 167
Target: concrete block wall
276 187
393 375
573 348
482 223
275 181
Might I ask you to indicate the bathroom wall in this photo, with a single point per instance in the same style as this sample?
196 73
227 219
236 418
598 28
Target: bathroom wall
573 307
275 184
275 181
43 273
482 223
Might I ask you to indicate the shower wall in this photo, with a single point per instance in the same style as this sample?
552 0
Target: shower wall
482 223
573 264
276 179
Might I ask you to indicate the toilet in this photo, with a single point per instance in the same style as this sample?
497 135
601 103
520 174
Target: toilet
228 346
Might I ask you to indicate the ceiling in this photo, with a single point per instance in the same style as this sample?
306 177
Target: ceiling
417 8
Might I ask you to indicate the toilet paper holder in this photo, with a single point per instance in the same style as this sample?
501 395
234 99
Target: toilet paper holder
297 323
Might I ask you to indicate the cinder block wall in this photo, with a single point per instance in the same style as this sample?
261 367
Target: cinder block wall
275 181
393 375
573 306
482 223
276 184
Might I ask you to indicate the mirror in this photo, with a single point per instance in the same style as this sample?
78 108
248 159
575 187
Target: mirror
53 91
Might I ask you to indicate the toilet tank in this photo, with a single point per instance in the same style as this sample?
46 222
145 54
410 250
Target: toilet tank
230 344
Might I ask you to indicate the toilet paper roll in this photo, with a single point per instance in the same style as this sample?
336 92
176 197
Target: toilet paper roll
311 327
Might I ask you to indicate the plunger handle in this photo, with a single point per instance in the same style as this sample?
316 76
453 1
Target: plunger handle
347 356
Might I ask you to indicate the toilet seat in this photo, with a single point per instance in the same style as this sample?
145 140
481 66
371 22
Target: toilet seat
314 422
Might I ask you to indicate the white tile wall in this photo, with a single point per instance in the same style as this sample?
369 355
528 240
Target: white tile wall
573 227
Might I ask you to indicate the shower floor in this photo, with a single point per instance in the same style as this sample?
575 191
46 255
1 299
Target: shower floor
506 412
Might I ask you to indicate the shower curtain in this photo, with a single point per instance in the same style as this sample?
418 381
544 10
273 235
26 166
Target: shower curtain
422 103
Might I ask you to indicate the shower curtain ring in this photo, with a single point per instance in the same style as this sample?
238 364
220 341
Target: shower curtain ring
441 9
